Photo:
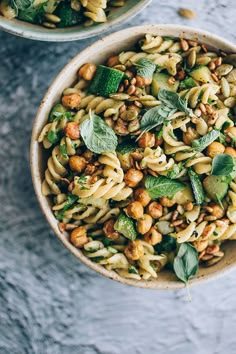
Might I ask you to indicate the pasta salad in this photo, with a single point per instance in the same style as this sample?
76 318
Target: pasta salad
142 159
59 13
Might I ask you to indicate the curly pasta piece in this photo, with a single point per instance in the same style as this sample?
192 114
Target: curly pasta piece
156 160
184 235
98 104
103 189
95 9
199 94
112 170
157 44
55 166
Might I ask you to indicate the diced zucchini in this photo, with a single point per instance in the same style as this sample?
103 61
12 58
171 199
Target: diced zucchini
160 81
68 16
216 187
105 81
125 226
197 188
202 74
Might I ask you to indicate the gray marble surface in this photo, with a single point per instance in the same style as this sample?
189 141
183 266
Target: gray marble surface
49 302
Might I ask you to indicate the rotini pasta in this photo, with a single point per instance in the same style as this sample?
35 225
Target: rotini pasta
142 157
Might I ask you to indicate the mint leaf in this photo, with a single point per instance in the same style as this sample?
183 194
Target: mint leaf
155 116
97 135
197 187
202 143
162 186
52 137
173 101
186 262
145 68
222 165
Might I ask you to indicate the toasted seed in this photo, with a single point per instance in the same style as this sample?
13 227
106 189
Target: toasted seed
191 59
231 77
187 13
203 60
120 67
214 77
52 18
230 102
218 61
225 88
119 96
184 44
212 65
224 69
49 25
213 261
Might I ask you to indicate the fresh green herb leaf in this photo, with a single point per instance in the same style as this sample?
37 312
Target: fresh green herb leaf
186 262
132 270
154 117
222 138
197 187
215 233
82 181
173 101
97 135
172 174
219 200
202 143
97 259
125 226
222 165
21 4
162 186
107 242
187 83
112 249
126 147
160 134
145 68
71 200
63 151
52 137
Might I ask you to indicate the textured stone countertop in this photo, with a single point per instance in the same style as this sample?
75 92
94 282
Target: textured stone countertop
49 302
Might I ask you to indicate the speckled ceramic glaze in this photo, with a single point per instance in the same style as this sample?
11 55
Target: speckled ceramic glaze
117 16
99 52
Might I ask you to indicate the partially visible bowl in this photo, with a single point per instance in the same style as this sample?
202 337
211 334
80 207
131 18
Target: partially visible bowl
31 31
99 52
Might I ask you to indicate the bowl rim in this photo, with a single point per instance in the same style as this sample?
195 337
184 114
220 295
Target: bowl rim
34 32
34 165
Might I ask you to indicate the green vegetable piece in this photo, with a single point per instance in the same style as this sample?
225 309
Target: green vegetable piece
197 188
105 81
126 147
222 165
202 74
186 262
162 186
167 244
145 68
125 226
215 185
203 142
160 81
57 111
97 135
187 83
68 16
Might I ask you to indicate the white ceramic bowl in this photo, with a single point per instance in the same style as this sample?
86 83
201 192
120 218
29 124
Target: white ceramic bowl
98 53
116 17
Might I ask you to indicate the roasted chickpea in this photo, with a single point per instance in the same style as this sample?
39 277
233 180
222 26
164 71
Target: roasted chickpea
215 148
153 236
88 155
109 230
77 163
133 177
135 210
231 131
158 141
112 61
142 81
190 135
87 71
134 250
146 140
217 211
188 206
71 101
144 224
230 151
167 202
154 209
142 196
72 130
79 236
200 245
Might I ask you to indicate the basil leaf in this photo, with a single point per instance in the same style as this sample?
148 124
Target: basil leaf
187 83
202 143
52 137
125 148
145 68
162 186
186 262
63 151
172 100
222 165
97 135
